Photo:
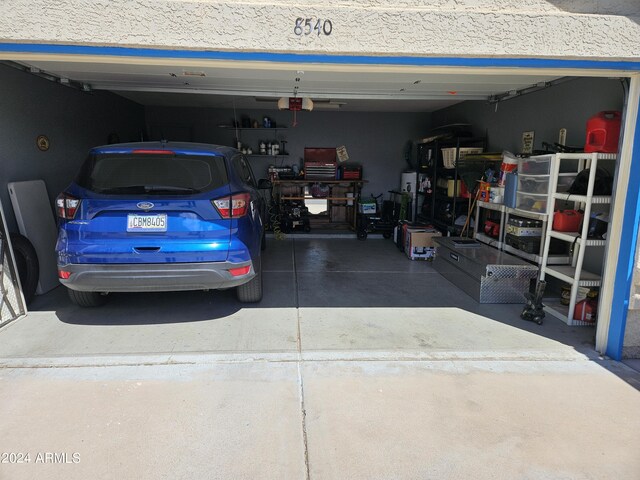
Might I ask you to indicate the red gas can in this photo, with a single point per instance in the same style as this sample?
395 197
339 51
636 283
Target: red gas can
567 220
603 132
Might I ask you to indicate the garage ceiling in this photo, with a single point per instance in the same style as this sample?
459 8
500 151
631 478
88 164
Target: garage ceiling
260 84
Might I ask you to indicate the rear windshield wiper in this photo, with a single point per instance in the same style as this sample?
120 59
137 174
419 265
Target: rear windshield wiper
169 188
147 189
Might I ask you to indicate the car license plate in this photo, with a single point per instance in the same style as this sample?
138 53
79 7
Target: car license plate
147 223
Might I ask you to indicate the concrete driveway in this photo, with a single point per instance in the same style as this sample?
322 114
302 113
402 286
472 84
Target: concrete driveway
349 368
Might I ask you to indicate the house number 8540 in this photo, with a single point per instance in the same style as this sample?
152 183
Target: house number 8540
307 26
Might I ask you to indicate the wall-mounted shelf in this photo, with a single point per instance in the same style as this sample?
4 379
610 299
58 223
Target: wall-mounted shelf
231 127
270 134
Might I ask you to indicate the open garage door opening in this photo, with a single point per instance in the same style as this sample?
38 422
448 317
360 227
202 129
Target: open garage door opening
404 158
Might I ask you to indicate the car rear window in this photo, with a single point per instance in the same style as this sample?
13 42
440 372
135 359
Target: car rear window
172 174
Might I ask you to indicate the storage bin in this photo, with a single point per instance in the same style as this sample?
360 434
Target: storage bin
510 189
565 181
533 184
524 231
524 244
450 186
449 155
538 165
525 222
531 202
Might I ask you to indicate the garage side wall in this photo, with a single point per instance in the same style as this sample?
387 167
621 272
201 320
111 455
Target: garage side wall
377 141
568 105
73 121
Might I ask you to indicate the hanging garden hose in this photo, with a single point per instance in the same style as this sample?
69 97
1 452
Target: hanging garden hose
274 220
404 203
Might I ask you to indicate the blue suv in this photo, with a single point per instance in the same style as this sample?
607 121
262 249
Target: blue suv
158 216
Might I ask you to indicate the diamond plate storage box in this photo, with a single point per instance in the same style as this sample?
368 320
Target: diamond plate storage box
484 273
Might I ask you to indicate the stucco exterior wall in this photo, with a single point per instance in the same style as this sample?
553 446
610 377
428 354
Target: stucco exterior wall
536 28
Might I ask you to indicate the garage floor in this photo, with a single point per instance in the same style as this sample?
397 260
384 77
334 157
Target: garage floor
357 364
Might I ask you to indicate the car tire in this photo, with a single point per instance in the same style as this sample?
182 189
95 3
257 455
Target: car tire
251 292
87 299
27 265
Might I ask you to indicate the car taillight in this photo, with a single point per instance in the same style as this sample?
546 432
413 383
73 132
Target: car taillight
233 206
238 271
64 275
67 206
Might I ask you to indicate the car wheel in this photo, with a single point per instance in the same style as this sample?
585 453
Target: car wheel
87 299
251 291
26 264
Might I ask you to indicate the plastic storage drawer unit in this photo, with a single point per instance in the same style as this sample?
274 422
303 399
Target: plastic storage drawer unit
538 165
530 202
533 184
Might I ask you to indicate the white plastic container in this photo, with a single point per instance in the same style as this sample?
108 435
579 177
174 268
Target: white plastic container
538 165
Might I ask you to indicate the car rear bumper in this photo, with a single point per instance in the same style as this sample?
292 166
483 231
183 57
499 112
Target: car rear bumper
154 277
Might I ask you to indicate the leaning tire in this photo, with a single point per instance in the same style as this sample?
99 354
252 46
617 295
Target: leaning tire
251 292
87 299
27 265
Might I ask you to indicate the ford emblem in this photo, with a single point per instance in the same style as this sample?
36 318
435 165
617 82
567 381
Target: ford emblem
145 205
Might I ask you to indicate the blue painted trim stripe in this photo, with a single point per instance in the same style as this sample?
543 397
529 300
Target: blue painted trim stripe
317 58
626 254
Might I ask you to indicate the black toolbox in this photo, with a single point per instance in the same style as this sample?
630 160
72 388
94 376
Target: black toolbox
525 244
533 244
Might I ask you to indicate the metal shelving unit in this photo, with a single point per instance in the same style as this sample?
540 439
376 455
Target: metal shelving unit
574 274
429 162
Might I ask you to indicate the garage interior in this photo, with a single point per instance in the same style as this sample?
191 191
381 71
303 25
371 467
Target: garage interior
380 117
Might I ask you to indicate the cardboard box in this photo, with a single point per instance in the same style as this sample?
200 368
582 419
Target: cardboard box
419 243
